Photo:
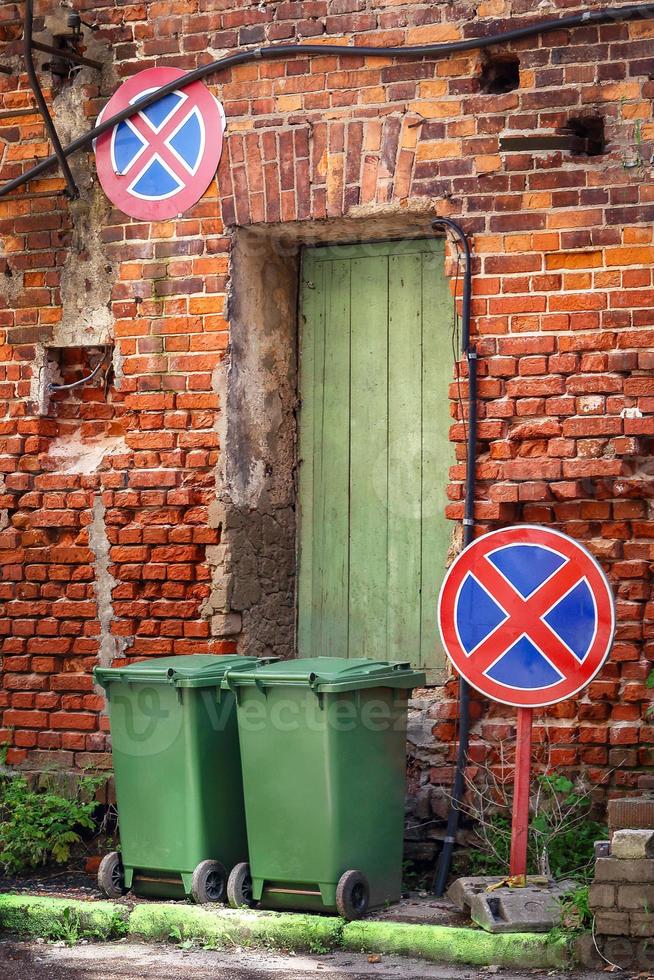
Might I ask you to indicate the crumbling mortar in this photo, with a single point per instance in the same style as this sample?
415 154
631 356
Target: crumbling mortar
87 275
4 513
104 583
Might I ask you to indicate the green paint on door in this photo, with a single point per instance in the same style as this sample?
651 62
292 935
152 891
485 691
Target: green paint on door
376 359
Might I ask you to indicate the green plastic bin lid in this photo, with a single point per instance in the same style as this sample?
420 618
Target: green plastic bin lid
326 674
192 670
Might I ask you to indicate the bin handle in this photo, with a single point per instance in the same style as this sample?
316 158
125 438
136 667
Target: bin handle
228 680
258 683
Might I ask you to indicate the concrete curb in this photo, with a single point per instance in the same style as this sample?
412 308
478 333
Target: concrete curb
225 928
221 928
447 944
62 918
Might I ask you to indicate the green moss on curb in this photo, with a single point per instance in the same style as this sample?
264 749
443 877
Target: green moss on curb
58 918
225 928
450 945
61 918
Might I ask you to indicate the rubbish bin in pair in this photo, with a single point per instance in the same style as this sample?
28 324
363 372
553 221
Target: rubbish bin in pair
323 754
177 774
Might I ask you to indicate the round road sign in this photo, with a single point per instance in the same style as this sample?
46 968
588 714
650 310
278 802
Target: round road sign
159 163
526 615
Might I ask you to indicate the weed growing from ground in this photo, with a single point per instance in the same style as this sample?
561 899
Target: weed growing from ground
37 826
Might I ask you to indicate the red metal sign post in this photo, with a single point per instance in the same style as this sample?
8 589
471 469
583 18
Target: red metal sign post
520 821
527 616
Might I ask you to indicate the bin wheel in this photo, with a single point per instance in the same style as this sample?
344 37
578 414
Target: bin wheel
239 887
111 876
352 895
208 882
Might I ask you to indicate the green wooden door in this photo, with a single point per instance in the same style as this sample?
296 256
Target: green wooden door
375 365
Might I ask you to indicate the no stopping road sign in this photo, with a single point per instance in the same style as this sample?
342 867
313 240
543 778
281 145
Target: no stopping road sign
526 615
159 162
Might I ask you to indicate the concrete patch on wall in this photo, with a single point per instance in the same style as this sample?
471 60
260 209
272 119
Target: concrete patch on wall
88 276
72 454
104 583
45 371
253 593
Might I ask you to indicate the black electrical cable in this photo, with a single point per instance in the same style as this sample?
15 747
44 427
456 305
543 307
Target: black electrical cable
53 387
28 54
469 351
277 51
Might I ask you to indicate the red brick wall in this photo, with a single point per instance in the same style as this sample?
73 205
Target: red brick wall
563 309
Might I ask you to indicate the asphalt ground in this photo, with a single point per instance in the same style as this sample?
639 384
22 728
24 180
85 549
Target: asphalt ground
133 961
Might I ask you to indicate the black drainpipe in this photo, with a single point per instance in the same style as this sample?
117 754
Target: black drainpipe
469 351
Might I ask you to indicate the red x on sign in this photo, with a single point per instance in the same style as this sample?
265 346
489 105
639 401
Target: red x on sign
155 142
526 615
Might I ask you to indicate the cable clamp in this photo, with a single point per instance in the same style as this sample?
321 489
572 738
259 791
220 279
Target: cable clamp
258 53
468 522
449 840
472 354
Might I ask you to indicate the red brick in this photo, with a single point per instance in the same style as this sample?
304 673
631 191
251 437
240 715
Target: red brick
25 719
74 720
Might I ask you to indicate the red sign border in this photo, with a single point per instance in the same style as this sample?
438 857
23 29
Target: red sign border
115 186
597 581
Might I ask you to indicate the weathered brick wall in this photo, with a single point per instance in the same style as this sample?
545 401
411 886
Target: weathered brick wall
124 557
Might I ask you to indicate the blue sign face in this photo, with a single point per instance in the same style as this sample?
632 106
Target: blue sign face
526 615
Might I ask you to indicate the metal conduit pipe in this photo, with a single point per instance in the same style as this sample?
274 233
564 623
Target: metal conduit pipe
277 51
469 351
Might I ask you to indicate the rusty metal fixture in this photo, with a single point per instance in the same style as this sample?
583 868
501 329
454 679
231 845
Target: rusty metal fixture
67 54
51 130
12 113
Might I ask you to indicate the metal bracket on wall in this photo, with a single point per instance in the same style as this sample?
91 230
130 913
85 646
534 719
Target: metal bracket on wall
67 54
568 142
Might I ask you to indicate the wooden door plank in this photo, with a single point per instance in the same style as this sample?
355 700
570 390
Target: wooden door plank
331 595
437 454
312 347
404 456
368 455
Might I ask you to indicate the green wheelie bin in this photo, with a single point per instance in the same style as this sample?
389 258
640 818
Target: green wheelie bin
178 781
323 752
